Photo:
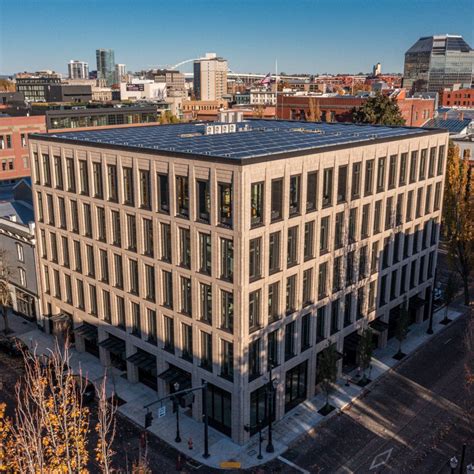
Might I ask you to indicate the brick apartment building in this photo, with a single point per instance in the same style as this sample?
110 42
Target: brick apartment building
192 252
14 160
338 108
457 98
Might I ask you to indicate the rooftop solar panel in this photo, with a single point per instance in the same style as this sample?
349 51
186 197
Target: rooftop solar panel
263 137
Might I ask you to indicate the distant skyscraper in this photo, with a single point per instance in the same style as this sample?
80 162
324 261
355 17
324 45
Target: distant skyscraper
106 65
120 72
210 77
436 62
377 70
78 69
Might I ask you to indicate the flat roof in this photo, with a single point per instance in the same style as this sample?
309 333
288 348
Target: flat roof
252 140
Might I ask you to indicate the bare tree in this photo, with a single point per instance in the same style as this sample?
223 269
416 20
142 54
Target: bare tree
5 293
469 367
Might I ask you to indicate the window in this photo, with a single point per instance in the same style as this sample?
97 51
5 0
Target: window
150 282
187 333
324 236
321 324
386 253
352 225
295 195
87 220
356 169
166 242
363 261
84 177
399 210
335 317
364 231
104 266
336 274
375 257
205 261
19 252
392 171
106 311
338 230
396 247
167 289
437 197
118 267
112 183
132 232
377 216
274 252
423 155
70 175
305 332
371 299
254 359
272 350
54 247
184 248
90 261
227 310
413 166
369 177
39 199
256 204
327 187
50 206
277 199
169 334
292 250
58 172
350 268
409 209
308 287
152 336
78 256
57 284
273 301
116 229
431 166
419 202
128 191
133 275
22 276
23 140
389 213
120 306
291 294
93 300
145 200
227 259
36 166
203 201
322 280
290 349
186 298
97 178
342 184
101 230
254 310
255 257
402 180
381 174
312 191
393 285
227 366
206 351
440 167
148 237
347 309
163 194
225 204
383 291
80 294
46 170
428 200
65 247
309 240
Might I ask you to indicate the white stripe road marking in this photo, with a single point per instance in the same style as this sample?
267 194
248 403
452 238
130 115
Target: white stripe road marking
293 465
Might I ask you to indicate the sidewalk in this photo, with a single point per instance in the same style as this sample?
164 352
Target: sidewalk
297 422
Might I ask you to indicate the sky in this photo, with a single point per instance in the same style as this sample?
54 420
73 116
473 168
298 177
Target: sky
312 36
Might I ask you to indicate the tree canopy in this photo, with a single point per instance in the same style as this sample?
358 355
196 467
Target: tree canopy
378 110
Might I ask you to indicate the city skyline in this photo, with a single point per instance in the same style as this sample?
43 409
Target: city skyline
255 36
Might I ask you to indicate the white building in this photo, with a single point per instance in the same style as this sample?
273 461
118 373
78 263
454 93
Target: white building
140 89
78 69
262 97
120 73
210 77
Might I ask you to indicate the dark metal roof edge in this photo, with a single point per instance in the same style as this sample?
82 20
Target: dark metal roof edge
237 161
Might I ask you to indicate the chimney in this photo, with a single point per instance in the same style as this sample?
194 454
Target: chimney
445 116
461 116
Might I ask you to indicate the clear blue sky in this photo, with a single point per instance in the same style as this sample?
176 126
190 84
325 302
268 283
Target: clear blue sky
312 36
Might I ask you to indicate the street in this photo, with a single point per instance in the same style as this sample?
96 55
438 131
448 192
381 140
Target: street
411 420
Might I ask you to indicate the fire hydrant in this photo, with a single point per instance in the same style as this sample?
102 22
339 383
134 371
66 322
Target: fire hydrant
190 443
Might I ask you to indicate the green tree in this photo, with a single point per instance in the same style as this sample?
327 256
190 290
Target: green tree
378 110
327 369
458 217
364 352
449 294
401 329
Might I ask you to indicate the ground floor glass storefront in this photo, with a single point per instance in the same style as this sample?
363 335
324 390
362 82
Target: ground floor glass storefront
296 385
219 409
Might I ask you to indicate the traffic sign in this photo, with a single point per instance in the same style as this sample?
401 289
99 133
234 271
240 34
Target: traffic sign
161 412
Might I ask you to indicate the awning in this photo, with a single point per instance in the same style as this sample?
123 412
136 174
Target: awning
378 325
114 344
143 360
351 342
174 375
416 302
87 331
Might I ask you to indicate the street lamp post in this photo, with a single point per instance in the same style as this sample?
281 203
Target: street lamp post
206 421
430 326
453 464
176 407
270 390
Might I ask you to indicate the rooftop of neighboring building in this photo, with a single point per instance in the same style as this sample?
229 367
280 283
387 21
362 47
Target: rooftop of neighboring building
454 126
16 202
239 141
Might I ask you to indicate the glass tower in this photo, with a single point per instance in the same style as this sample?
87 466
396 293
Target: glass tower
106 65
436 62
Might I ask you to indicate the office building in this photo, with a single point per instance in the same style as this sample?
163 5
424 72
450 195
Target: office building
202 251
106 65
35 88
78 69
436 62
69 93
120 73
174 80
210 77
143 89
14 160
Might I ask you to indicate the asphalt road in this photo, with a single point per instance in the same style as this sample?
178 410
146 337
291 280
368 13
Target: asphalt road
412 420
